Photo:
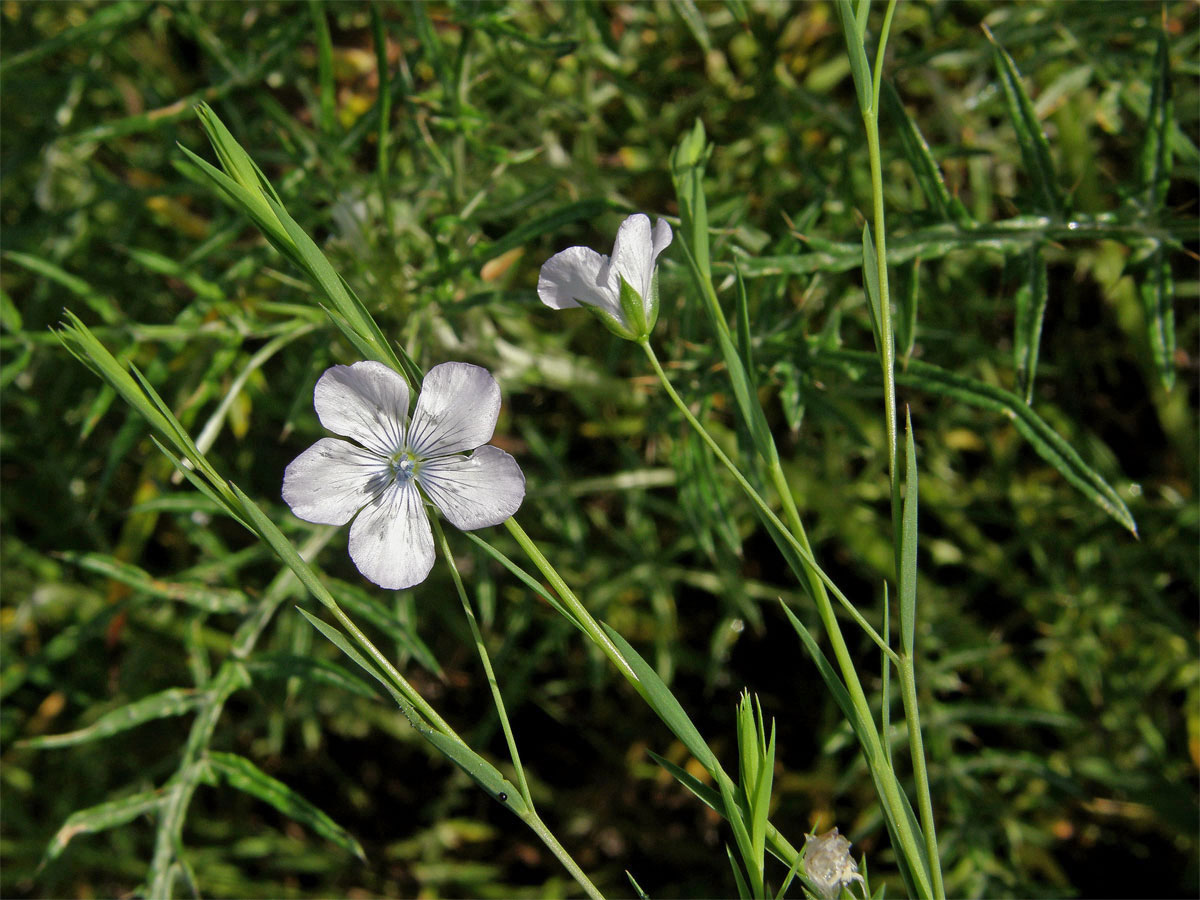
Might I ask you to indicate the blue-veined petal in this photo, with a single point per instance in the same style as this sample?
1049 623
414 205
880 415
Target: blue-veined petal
474 491
367 401
456 410
390 540
331 481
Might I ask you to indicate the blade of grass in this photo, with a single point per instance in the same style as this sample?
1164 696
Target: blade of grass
1031 301
240 773
1048 444
1035 149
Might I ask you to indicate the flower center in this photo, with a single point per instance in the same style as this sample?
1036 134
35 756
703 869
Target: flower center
404 465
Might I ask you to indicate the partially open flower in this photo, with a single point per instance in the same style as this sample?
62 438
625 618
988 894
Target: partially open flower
622 289
828 864
380 483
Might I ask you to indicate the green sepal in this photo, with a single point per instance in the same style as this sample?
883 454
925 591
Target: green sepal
612 323
634 309
652 312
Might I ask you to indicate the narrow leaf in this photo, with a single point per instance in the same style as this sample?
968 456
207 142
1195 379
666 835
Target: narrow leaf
1048 444
481 771
665 705
1031 299
101 817
916 150
859 67
240 773
171 702
908 543
1157 288
907 293
210 599
1035 149
1157 147
870 264
336 638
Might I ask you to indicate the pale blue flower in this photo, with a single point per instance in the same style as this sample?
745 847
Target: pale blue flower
621 289
383 481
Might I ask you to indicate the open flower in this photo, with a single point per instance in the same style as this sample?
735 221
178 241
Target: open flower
828 864
622 289
382 482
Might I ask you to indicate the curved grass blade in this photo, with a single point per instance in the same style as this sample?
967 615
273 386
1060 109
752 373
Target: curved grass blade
1048 443
1031 299
210 599
920 157
101 817
1157 289
1035 149
172 702
239 772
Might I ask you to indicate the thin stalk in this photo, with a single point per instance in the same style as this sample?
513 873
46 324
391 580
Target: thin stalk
873 747
415 700
822 580
908 684
547 836
573 604
781 846
497 698
887 358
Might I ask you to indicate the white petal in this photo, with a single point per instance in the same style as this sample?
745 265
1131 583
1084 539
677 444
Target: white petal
474 491
331 481
633 253
662 240
390 541
456 411
578 275
367 401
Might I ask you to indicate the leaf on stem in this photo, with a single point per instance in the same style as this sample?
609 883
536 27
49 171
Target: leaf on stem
240 773
1031 300
1035 149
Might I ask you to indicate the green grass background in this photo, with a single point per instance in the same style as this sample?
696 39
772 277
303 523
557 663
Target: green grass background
1060 676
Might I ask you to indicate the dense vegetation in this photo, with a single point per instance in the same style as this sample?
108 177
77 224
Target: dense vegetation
1059 676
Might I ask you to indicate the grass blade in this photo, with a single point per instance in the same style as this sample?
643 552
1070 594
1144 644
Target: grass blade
240 773
908 544
1035 149
665 705
171 702
1048 444
1158 148
209 599
101 817
1157 289
1031 301
916 150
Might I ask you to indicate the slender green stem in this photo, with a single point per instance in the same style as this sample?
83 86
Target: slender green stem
870 736
497 697
887 359
548 838
822 581
415 700
584 618
908 683
887 350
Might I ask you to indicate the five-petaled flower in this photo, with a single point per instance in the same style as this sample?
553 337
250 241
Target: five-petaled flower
382 483
621 289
